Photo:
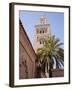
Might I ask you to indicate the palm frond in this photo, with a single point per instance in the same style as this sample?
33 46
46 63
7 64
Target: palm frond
51 48
58 45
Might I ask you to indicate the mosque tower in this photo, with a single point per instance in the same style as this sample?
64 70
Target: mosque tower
42 31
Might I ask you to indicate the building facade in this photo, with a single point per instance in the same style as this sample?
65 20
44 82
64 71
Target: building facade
42 30
27 55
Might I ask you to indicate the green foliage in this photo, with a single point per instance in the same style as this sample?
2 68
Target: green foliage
51 47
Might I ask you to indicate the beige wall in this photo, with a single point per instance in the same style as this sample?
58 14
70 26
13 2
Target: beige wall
57 72
27 56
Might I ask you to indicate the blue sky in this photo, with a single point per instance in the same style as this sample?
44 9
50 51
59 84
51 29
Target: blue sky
30 18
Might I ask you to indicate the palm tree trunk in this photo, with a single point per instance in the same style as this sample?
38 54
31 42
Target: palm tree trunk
47 69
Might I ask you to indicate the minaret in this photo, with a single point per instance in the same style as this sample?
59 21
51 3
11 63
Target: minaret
42 30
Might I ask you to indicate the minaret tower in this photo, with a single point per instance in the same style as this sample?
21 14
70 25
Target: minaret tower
42 30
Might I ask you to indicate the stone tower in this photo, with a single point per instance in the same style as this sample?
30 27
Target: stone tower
42 30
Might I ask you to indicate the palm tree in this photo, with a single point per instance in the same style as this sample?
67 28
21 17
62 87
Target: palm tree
51 49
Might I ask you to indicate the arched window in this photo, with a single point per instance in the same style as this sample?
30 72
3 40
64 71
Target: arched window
40 42
40 31
43 31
